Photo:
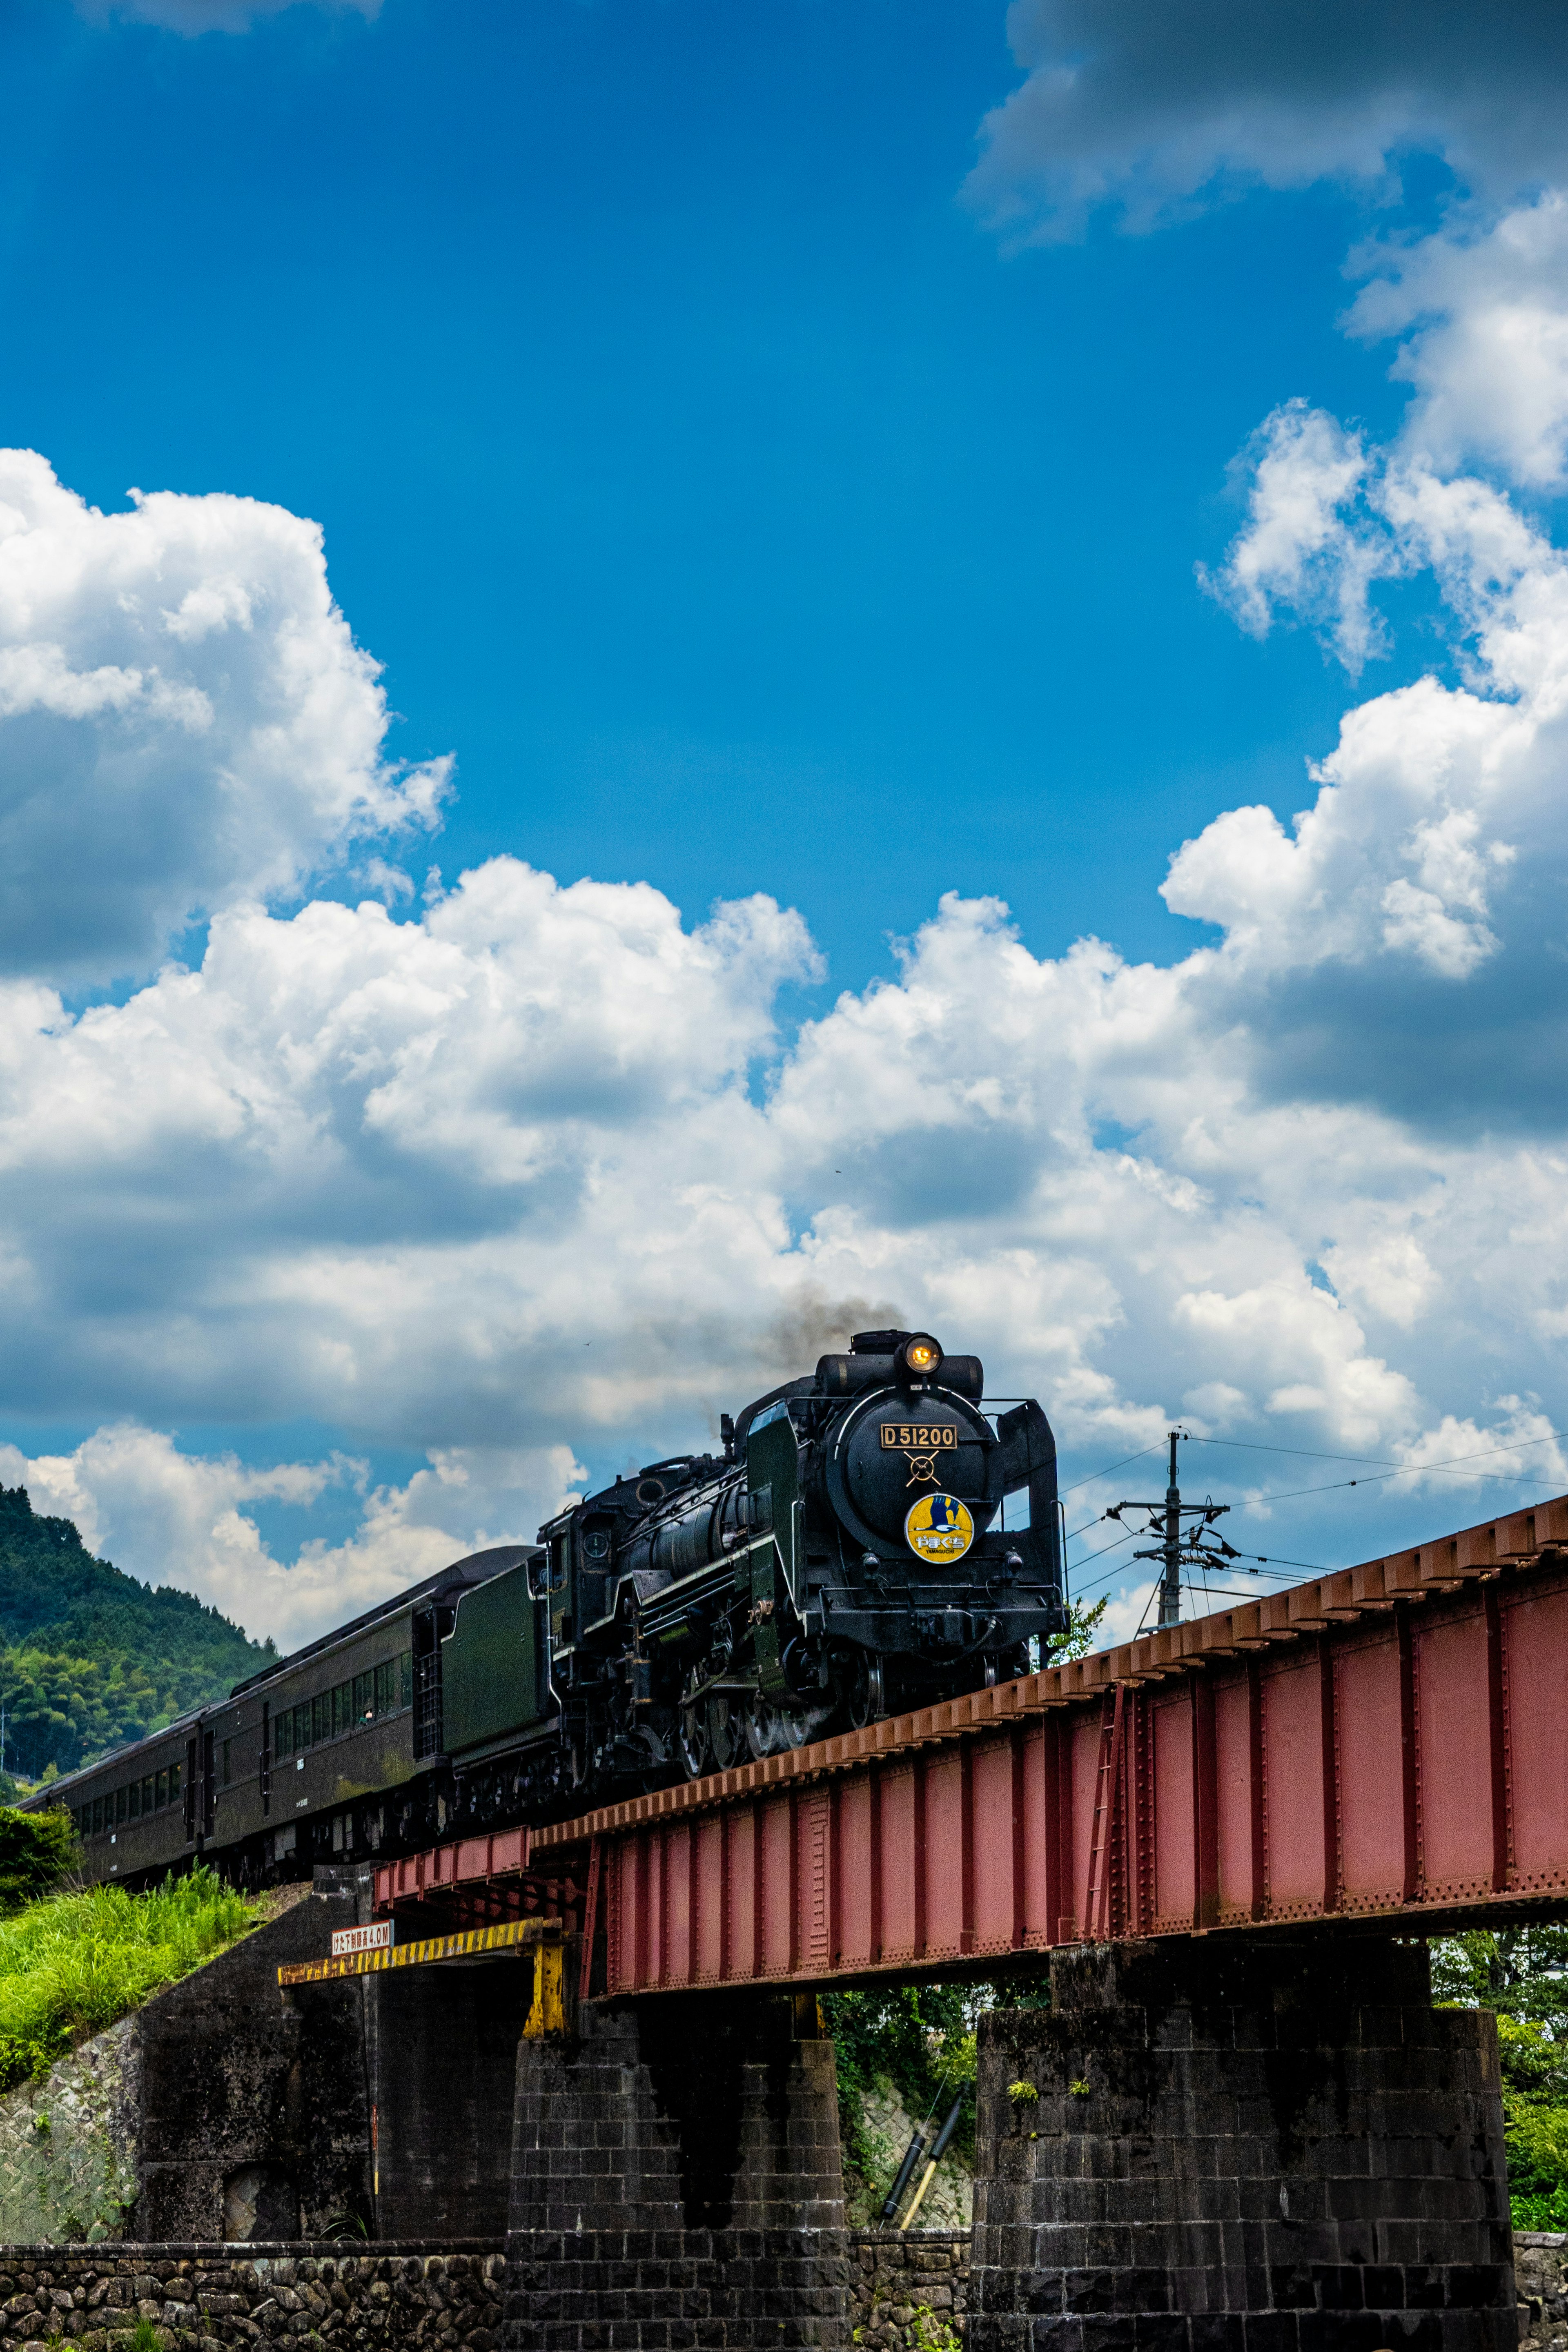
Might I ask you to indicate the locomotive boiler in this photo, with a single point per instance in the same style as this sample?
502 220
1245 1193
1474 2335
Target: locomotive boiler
873 1536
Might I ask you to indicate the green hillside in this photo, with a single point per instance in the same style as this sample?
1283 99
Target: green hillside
89 1657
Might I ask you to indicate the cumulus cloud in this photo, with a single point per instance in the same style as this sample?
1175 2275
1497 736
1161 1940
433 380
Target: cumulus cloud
492 1177
1153 111
1310 545
493 1183
495 1180
185 721
1409 844
173 1517
1523 1441
1488 305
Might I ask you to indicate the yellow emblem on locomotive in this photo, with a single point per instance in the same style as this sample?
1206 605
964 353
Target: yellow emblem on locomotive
939 1529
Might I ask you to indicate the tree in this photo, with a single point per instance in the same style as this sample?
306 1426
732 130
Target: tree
1522 1974
37 1851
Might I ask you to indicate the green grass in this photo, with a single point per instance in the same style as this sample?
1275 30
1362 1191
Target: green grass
72 1963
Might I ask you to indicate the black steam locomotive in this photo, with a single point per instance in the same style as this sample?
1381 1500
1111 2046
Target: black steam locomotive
869 1539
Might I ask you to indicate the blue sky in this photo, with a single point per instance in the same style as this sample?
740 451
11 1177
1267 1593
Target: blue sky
875 461
705 473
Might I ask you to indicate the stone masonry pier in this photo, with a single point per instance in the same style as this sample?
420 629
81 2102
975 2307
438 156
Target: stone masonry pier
676 2180
1268 2146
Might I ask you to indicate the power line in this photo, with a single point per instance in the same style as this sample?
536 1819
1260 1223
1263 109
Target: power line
1307 1453
1108 1547
1115 1466
1339 1486
1377 1460
1265 1559
1275 1563
1100 1554
1276 1560
1418 1470
1220 1592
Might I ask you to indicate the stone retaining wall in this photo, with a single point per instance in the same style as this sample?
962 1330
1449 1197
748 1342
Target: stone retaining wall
69 2145
214 2091
909 2287
205 2298
1540 2283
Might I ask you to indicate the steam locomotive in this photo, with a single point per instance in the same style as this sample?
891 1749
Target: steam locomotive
870 1538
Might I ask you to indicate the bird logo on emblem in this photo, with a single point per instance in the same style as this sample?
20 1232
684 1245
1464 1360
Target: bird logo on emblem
939 1527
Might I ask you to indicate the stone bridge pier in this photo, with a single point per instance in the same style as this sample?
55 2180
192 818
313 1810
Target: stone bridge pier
1202 2145
1253 2147
677 2181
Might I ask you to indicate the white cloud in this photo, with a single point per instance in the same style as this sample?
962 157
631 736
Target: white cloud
1488 301
494 1183
172 1517
185 721
1128 1613
1523 1442
1410 848
1311 543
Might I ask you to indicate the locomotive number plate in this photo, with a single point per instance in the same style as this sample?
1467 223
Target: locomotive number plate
917 1436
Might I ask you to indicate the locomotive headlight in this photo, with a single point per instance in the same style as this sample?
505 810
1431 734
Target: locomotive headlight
920 1358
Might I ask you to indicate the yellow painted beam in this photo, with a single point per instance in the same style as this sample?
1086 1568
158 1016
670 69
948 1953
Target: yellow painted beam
472 1944
547 2013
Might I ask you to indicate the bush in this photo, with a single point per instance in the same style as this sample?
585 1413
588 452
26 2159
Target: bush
918 2039
1532 2064
1541 2212
73 1964
37 1852
1522 1974
1537 2147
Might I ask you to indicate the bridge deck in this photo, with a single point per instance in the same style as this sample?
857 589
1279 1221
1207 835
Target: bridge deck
1389 1743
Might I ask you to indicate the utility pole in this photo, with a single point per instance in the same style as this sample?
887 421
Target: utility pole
1201 1548
1171 1576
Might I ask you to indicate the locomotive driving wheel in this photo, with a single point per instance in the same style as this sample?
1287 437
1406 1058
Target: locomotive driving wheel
763 1729
865 1699
726 1732
691 1739
772 1727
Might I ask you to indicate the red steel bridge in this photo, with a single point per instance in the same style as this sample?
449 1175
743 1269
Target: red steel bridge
1388 1744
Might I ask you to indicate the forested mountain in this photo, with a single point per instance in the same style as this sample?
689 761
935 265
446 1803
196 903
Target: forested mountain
89 1657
